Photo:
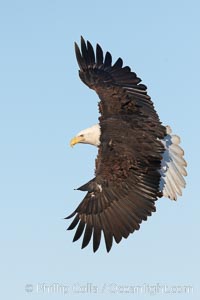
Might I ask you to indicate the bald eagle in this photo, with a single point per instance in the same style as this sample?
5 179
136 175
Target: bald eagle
139 160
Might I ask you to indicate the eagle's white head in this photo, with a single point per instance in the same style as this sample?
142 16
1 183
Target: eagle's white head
89 135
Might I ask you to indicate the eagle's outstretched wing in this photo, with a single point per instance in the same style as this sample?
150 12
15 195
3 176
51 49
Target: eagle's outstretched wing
126 184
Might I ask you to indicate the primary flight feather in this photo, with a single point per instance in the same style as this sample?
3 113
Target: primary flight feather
138 159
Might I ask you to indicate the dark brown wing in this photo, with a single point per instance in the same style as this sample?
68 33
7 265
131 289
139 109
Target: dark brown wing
127 167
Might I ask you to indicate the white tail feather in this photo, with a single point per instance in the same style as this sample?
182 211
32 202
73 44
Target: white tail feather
172 167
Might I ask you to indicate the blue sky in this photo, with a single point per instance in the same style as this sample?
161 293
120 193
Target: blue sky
43 104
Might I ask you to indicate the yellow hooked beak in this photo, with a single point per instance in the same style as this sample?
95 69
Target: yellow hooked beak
76 140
